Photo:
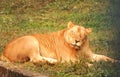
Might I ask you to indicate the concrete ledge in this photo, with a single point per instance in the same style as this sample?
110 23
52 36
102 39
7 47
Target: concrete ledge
14 71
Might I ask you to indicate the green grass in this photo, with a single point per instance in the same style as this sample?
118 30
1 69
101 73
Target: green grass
22 17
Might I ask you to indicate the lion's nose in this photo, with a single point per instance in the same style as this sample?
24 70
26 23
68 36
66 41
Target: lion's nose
76 41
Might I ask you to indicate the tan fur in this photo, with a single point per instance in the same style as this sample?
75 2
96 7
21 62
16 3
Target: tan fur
66 45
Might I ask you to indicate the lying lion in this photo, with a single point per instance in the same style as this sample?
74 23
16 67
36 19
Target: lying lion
66 45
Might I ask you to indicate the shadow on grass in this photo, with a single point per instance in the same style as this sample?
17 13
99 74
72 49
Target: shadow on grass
115 21
115 42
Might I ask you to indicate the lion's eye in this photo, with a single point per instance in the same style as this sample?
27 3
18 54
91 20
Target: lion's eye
73 32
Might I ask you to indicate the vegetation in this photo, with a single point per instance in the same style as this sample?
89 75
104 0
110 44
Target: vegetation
21 17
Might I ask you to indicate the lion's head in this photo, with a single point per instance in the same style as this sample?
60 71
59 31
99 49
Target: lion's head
76 35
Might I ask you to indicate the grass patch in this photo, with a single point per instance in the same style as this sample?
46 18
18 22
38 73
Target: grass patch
22 17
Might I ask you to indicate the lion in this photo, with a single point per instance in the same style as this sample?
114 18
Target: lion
67 45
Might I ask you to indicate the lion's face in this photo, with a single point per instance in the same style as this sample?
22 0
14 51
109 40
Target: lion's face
76 35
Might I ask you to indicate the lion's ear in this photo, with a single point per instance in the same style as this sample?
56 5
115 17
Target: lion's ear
88 30
70 24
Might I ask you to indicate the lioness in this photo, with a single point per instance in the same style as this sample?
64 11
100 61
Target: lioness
62 46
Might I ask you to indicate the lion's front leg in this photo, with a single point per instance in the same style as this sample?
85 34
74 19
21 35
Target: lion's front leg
96 58
37 59
50 60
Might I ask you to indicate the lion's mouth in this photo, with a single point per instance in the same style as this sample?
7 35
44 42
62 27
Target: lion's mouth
75 46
